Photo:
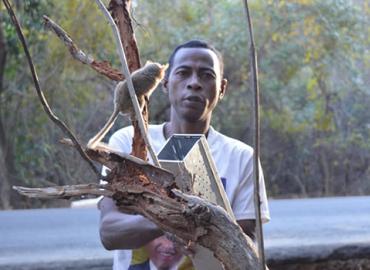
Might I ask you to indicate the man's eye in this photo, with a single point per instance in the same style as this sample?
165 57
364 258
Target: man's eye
181 72
207 75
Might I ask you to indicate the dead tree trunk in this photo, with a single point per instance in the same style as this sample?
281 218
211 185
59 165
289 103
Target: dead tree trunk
141 188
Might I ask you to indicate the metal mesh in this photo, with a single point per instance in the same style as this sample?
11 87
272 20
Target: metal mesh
189 159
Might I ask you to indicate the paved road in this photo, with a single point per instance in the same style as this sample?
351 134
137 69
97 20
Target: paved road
318 228
48 235
314 226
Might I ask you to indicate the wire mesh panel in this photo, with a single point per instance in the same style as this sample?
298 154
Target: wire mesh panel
189 159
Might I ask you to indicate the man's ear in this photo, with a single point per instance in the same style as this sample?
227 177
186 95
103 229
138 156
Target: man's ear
165 86
223 88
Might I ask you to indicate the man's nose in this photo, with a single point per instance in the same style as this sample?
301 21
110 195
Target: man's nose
194 82
168 244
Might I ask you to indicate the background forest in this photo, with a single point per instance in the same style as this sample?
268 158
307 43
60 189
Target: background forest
314 65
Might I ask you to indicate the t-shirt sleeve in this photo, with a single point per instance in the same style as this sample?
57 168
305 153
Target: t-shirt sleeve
121 141
243 203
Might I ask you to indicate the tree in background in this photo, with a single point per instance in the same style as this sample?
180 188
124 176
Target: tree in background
315 98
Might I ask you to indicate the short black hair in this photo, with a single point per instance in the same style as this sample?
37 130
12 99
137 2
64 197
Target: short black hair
195 44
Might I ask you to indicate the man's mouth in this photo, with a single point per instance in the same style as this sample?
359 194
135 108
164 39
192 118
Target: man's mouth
167 252
194 99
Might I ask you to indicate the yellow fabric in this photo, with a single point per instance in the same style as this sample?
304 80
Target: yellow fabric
186 264
139 255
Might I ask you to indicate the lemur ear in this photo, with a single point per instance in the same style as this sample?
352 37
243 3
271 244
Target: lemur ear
148 62
165 67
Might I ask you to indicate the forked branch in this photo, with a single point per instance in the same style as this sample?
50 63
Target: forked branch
103 67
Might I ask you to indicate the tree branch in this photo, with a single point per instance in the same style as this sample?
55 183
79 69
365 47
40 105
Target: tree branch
64 192
135 103
103 67
120 10
256 172
141 188
41 95
120 13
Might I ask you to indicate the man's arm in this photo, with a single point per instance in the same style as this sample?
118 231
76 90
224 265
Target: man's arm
249 227
122 231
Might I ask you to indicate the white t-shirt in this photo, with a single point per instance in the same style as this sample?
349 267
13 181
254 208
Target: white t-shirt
234 163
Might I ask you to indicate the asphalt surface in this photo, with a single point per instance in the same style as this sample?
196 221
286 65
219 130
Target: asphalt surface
299 228
310 229
50 235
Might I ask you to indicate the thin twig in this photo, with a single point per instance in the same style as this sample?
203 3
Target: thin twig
40 93
130 85
256 172
103 67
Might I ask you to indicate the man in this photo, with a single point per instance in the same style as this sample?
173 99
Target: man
194 83
162 255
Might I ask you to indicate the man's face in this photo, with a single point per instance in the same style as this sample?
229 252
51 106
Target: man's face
163 253
194 84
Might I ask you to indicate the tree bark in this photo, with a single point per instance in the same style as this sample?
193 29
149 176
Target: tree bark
120 11
4 183
141 188
327 177
6 166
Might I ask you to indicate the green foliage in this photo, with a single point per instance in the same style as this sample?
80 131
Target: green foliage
313 60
